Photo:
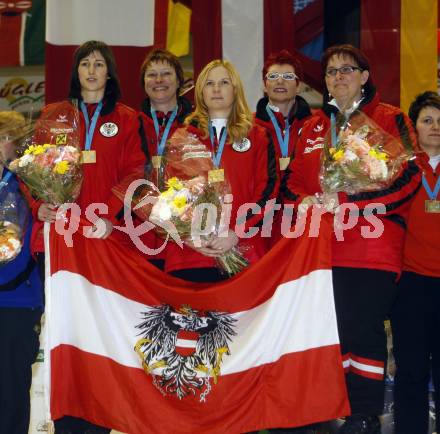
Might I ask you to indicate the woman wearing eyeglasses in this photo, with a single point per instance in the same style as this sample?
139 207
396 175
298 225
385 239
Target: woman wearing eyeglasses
163 110
282 112
364 268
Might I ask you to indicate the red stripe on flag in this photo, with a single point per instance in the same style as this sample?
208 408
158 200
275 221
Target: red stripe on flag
305 383
382 30
59 59
279 26
160 23
206 28
310 254
188 335
10 29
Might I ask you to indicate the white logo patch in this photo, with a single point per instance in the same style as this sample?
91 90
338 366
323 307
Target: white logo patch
242 146
318 128
109 129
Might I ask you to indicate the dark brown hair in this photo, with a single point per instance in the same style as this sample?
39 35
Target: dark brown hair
112 88
159 55
347 50
425 99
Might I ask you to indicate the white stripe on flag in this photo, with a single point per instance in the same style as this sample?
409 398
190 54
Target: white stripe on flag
115 22
299 316
185 343
243 42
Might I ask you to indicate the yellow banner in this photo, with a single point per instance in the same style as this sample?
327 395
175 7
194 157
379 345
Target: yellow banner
179 18
418 49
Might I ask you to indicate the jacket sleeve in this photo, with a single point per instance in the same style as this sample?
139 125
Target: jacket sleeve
34 204
293 184
131 164
267 179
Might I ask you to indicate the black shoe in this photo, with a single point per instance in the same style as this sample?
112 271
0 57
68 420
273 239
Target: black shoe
360 424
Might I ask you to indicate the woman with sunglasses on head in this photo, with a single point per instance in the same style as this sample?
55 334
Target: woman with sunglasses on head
163 110
282 112
364 268
415 317
246 157
112 156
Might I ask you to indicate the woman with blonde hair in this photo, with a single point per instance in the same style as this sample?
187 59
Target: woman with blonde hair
243 153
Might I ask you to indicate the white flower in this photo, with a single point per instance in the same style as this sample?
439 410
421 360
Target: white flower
350 155
161 211
25 160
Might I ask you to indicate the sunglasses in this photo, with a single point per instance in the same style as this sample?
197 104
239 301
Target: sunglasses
272 76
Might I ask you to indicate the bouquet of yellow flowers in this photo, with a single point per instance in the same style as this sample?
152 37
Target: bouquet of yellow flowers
47 156
360 157
184 184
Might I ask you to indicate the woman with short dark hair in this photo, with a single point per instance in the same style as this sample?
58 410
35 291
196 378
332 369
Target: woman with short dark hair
163 111
415 318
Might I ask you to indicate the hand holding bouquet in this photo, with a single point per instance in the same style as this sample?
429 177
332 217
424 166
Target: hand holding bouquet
48 157
360 157
184 188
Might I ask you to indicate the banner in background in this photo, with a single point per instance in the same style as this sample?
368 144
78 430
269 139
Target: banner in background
22 32
131 29
22 93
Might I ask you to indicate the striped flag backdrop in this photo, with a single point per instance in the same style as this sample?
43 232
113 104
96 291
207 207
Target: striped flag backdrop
131 29
141 352
22 32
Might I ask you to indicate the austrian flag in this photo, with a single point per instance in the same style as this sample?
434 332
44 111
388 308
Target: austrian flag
136 350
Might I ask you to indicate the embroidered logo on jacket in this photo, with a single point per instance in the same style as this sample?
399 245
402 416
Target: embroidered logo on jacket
318 143
109 129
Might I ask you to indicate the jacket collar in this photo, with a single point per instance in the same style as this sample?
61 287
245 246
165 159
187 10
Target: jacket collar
183 110
299 111
367 105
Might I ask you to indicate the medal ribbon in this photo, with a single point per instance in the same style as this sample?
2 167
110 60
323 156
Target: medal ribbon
90 127
163 140
432 194
5 179
283 140
217 157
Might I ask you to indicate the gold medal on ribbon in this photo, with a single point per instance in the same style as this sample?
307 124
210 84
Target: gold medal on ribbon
216 175
88 157
432 206
284 162
156 160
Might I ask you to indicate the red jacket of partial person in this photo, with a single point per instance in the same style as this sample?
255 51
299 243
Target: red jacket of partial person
422 243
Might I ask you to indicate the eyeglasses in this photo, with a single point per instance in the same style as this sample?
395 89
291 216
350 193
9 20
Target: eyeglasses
153 75
272 76
343 70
